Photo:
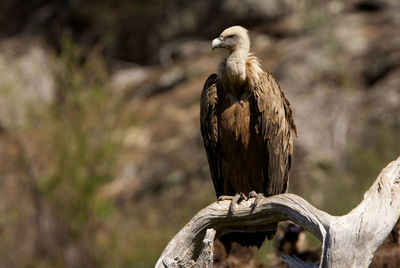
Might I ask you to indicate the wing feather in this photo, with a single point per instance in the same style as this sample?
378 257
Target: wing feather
273 127
209 130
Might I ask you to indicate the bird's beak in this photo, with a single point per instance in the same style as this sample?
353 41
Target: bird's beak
217 42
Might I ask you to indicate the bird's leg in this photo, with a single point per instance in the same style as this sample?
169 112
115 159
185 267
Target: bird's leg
224 197
234 200
252 194
257 196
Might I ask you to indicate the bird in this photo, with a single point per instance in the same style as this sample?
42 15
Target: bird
246 125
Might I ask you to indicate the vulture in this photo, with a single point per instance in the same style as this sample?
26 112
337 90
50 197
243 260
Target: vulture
246 125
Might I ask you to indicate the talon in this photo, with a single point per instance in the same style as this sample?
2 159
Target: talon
252 194
224 197
255 203
235 200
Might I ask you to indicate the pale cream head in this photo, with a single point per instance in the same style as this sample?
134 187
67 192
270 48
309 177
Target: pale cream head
233 38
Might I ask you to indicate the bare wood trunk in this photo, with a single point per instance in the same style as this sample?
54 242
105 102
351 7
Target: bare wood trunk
347 241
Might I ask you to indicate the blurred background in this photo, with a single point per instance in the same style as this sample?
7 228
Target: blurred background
101 157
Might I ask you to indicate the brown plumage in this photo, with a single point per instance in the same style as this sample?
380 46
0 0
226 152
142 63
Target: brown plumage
246 124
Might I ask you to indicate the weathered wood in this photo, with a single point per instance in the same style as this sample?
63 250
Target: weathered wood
205 259
354 237
347 241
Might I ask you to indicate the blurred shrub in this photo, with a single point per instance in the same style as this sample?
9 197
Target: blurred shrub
343 186
83 156
67 153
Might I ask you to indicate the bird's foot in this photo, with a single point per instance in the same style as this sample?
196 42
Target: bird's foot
236 199
257 197
224 197
252 194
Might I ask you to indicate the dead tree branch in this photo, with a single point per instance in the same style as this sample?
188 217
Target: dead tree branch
347 241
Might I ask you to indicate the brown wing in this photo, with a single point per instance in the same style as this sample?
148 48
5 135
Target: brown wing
273 124
209 130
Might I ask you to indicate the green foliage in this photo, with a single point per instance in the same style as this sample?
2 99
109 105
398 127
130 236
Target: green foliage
377 149
83 152
159 222
342 186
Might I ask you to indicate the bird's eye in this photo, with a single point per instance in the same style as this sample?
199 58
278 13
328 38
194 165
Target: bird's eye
231 36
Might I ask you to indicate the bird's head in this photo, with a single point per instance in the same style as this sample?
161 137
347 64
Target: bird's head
233 38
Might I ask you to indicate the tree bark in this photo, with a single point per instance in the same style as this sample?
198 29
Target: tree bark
347 241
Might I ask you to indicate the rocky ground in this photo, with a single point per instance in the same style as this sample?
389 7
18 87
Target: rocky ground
130 132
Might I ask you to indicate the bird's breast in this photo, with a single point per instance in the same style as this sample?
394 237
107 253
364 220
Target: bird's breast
235 122
241 158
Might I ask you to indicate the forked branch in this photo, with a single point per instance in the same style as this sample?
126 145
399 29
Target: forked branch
349 240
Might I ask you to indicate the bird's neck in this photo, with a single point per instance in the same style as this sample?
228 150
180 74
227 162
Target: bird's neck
236 67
